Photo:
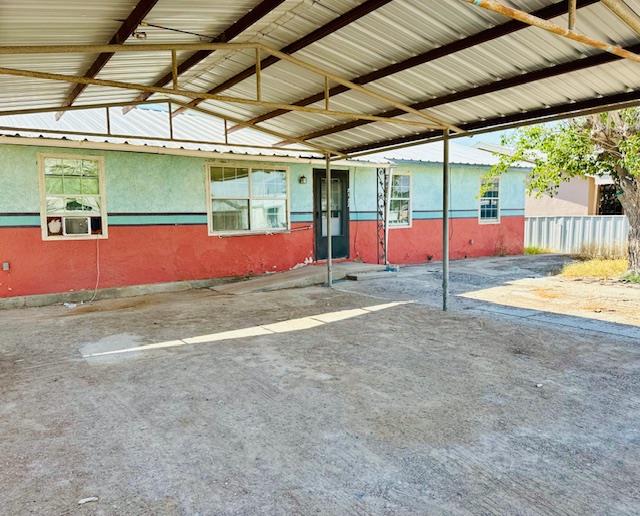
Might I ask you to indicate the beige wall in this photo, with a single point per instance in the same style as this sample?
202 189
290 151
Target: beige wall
575 197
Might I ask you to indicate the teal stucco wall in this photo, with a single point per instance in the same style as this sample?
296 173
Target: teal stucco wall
153 188
140 188
426 190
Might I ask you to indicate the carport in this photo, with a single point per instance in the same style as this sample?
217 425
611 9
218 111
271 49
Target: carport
333 79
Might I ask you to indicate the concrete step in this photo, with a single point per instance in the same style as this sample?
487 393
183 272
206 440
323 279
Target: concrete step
362 276
306 276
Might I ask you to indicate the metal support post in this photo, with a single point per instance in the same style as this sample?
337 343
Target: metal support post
329 243
381 212
445 222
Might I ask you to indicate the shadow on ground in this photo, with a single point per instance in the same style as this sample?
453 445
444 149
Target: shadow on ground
525 287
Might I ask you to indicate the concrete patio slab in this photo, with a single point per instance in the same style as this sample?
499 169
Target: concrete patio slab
397 409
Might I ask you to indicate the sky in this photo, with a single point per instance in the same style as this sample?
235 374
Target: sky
492 138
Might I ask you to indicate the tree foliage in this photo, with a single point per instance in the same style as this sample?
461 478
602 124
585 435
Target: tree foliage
605 144
597 145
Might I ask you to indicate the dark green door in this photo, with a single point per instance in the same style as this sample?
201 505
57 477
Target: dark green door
339 213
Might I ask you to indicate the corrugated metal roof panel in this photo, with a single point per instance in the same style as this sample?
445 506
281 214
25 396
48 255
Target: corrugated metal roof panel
392 33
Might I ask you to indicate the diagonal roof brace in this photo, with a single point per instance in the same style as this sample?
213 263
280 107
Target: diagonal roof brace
196 95
534 21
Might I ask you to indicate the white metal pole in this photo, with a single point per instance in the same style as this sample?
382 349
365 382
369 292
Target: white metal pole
329 243
387 201
445 222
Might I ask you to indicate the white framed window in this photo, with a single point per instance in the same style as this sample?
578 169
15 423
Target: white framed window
72 197
400 200
489 210
247 199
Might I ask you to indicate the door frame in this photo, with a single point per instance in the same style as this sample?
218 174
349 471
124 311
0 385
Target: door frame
318 175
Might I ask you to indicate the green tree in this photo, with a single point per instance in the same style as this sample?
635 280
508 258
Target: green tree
596 145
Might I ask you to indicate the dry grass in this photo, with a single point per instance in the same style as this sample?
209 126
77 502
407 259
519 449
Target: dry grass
596 268
613 252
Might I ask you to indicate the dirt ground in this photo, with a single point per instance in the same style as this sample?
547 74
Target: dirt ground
393 409
522 286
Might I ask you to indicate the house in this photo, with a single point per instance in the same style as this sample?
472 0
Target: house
579 196
80 212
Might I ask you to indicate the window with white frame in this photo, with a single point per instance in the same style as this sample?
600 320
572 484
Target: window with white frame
72 197
400 199
490 200
247 199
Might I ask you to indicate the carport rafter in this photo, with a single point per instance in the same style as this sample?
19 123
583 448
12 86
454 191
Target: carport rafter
254 15
140 11
485 89
334 25
510 121
453 47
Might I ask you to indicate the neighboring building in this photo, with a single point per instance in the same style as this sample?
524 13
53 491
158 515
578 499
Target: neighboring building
579 196
76 213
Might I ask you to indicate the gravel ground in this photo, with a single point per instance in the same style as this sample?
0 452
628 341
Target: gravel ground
405 410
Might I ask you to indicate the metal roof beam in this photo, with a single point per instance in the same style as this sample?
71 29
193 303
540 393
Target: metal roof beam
329 28
558 112
484 36
493 87
237 28
221 98
53 109
122 34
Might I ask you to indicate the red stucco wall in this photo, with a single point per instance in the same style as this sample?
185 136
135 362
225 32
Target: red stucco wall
153 254
423 241
142 254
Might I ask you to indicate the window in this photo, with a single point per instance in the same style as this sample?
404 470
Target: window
490 201
245 199
72 197
608 201
400 200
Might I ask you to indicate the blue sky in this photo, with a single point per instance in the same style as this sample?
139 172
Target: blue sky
492 138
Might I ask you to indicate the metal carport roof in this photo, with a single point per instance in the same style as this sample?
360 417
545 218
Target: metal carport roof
471 68
338 77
